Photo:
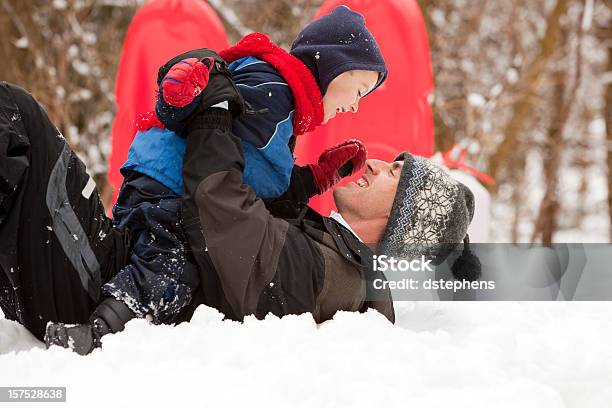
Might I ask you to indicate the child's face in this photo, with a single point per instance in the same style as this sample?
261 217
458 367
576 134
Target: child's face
345 91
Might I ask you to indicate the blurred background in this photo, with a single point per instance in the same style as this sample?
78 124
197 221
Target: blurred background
524 86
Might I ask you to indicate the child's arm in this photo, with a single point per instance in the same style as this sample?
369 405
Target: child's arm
335 163
183 87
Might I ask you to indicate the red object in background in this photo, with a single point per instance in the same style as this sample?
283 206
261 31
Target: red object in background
160 30
455 159
395 117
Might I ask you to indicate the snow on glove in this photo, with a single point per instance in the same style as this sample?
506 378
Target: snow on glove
339 161
186 80
109 317
145 121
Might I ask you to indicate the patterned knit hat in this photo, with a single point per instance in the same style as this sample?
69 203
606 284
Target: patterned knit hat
430 216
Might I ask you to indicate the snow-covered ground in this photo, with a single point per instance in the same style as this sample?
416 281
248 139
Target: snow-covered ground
440 354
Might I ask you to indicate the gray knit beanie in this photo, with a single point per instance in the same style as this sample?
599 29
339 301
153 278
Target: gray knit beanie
430 216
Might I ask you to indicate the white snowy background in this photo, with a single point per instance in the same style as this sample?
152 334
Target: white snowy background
439 354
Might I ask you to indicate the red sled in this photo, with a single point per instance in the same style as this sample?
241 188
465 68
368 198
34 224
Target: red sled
397 116
160 30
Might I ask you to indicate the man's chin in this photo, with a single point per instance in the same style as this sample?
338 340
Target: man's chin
342 195
337 194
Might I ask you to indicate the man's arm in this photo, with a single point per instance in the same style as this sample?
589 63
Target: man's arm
246 246
301 189
336 162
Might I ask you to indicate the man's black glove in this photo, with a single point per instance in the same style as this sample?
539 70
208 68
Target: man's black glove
109 317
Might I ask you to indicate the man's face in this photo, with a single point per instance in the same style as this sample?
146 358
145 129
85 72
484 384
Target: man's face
370 197
346 90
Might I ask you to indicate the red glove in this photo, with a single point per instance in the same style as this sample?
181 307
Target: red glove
339 161
185 80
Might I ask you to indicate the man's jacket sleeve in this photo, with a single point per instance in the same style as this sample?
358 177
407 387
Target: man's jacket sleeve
258 259
301 189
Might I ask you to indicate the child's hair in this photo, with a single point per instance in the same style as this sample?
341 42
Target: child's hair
336 43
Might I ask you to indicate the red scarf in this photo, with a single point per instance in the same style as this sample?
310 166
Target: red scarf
306 93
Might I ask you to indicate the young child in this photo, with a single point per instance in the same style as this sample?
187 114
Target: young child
333 63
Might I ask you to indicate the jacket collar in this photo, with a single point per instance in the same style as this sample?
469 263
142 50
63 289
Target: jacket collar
338 217
333 234
306 93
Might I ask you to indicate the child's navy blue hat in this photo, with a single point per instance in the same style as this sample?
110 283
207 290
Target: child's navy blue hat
336 43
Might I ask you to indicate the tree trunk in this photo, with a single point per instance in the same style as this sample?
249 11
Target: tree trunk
518 193
546 221
523 107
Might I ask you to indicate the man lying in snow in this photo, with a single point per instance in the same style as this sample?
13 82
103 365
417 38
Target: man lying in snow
58 248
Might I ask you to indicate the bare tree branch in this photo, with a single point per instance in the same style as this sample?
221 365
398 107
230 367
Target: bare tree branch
523 107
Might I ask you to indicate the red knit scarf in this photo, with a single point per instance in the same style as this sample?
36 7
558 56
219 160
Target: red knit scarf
306 93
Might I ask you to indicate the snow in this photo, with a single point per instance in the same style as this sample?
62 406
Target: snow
81 67
587 20
438 18
476 100
13 338
60 4
22 42
230 16
512 75
440 354
496 90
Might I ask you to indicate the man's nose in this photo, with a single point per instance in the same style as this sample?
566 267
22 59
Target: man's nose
354 107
